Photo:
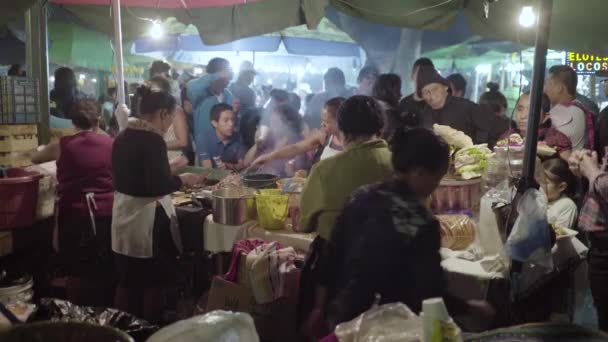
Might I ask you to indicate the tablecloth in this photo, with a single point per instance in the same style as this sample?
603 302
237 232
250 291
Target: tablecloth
219 238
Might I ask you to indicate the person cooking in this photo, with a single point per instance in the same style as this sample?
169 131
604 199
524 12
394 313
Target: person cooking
145 238
326 142
286 127
84 207
445 109
365 160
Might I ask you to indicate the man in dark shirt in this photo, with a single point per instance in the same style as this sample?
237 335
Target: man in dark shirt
241 89
413 104
458 85
224 148
445 109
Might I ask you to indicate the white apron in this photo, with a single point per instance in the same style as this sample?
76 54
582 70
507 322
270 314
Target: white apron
328 151
133 224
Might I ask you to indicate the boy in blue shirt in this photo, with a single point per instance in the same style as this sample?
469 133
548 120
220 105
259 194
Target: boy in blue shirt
223 148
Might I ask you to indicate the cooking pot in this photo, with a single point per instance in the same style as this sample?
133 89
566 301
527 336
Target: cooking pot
260 180
233 206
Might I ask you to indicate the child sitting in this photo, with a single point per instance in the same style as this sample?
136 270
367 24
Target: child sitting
560 186
223 149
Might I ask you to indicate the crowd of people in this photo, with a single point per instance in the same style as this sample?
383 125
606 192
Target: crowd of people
372 162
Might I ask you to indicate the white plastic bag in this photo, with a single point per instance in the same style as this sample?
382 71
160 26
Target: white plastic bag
530 239
393 322
217 326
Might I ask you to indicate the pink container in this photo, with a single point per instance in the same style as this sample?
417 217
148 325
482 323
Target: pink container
18 198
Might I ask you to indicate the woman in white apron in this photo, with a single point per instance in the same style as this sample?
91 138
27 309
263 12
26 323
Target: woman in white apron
145 236
326 143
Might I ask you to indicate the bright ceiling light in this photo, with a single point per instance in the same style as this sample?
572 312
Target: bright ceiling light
527 18
82 76
156 31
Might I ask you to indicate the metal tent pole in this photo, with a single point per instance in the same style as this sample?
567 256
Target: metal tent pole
536 96
38 62
120 81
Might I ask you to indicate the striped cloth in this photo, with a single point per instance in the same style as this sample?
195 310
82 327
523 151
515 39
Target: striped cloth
593 214
272 272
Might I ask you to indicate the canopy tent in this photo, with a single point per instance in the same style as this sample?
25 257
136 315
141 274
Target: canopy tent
217 21
160 4
325 40
576 27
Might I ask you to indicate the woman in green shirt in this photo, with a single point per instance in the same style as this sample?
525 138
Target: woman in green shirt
366 160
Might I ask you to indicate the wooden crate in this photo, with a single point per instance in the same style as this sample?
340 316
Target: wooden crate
18 138
15 159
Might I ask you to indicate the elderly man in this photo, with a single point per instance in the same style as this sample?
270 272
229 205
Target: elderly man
456 112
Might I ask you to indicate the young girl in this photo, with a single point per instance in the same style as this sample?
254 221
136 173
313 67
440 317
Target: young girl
559 185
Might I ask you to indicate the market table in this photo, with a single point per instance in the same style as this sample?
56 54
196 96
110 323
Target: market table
220 238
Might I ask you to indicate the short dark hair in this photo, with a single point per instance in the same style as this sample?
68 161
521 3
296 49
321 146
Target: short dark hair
408 154
85 114
295 101
218 109
279 96
493 98
335 76
16 70
159 67
368 71
65 78
152 99
458 82
333 105
388 89
423 61
162 82
217 64
360 116
566 76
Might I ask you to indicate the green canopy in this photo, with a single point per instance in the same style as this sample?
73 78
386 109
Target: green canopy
78 46
575 25
11 9
216 25
465 56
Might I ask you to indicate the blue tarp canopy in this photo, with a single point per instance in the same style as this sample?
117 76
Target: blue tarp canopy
266 43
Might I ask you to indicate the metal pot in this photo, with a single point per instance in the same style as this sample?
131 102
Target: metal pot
260 180
233 206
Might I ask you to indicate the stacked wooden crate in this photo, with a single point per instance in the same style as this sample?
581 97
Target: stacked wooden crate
16 141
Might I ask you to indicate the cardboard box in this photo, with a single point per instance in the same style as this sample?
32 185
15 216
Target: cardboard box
226 295
275 322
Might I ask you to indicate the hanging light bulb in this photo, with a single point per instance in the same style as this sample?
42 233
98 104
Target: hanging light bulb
527 18
156 31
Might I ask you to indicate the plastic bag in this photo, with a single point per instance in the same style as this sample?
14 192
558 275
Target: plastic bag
384 323
52 309
217 326
530 239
